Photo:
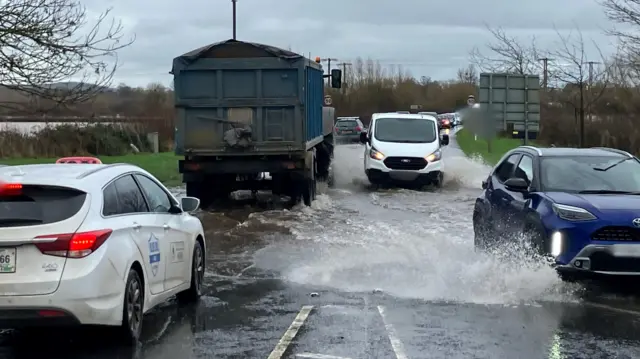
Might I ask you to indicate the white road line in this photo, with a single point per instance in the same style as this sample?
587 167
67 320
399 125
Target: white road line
396 344
318 356
608 307
290 334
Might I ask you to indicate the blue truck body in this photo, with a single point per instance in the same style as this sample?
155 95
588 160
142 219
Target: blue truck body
244 109
279 94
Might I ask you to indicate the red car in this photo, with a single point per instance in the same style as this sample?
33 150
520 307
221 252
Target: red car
445 122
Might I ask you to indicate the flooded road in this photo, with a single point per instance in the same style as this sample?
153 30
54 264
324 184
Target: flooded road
367 274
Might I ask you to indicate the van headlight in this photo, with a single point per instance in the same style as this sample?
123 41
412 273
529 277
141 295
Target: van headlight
376 155
571 213
436 156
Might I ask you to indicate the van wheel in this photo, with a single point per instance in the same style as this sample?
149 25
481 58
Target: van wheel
133 309
197 276
439 181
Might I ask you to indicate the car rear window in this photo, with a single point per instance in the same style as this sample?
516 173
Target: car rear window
347 123
38 205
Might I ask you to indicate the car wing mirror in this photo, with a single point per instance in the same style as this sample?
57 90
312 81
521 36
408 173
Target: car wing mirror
189 204
517 184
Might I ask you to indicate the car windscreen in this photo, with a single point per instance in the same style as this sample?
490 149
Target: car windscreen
405 130
347 124
590 173
37 205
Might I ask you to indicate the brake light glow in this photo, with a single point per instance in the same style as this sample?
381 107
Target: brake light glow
358 128
10 189
73 245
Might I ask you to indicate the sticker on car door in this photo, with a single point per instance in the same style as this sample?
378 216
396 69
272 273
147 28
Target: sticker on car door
177 252
154 254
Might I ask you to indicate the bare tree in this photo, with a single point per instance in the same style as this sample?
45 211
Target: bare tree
52 53
585 79
468 75
626 13
506 54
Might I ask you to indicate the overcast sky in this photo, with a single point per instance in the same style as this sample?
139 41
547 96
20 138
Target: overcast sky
429 38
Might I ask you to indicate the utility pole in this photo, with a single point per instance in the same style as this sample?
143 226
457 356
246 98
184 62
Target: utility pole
545 72
589 115
591 63
344 75
328 60
234 18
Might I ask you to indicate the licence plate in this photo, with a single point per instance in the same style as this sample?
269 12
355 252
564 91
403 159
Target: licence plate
626 250
7 260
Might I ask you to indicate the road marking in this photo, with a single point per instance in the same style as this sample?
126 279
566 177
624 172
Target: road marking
620 310
290 334
319 356
396 344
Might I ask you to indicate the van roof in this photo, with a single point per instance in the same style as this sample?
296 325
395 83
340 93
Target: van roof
402 115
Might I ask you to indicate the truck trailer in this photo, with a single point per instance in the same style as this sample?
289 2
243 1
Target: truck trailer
244 109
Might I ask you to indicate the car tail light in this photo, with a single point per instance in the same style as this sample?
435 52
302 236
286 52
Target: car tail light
10 189
358 128
335 129
73 245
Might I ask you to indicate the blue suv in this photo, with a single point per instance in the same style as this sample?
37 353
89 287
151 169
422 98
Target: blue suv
580 206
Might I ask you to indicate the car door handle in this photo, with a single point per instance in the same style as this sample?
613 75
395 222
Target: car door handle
166 227
137 226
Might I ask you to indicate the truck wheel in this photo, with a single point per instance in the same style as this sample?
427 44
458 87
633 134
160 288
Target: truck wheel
308 191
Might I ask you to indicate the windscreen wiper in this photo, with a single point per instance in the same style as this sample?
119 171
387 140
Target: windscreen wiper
612 165
607 191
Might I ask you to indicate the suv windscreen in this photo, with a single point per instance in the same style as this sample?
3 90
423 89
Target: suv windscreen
576 174
405 130
347 124
38 205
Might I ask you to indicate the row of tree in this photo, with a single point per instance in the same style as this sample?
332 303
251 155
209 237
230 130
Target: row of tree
586 101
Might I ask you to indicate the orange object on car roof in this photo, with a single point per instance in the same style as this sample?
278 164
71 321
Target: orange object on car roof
90 160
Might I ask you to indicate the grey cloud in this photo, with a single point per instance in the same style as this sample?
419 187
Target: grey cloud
429 38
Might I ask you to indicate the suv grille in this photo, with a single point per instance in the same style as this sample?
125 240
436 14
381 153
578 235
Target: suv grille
604 262
405 163
616 233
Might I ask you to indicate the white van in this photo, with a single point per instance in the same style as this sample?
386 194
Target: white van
403 148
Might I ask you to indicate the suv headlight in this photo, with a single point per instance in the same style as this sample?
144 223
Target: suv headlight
571 213
436 156
373 153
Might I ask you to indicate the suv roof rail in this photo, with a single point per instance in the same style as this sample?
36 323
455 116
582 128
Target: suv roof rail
614 150
90 172
533 148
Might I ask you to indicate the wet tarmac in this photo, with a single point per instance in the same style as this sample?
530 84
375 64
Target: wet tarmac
366 274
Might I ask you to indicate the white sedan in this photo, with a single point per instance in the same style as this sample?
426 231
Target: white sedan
93 244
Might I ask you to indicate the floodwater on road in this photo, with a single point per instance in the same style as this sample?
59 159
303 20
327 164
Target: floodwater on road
368 274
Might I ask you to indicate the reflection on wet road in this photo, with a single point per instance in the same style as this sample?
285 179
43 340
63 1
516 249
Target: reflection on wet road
364 274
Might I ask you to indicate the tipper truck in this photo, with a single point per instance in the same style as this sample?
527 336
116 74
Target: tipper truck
245 109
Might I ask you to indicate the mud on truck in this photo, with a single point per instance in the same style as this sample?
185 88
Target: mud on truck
244 110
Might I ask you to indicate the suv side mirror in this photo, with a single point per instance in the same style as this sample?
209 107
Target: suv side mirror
189 204
445 140
363 137
517 184
336 78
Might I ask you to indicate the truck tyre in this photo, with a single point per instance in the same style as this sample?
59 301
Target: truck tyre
308 191
198 190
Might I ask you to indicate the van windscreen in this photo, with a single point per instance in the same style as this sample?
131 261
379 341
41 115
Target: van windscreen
405 130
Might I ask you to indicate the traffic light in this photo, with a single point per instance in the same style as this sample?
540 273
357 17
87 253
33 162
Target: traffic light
336 78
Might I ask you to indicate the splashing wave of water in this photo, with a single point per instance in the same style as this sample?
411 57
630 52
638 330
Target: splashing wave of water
408 243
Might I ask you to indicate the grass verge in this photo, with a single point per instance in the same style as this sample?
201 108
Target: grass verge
164 166
499 146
